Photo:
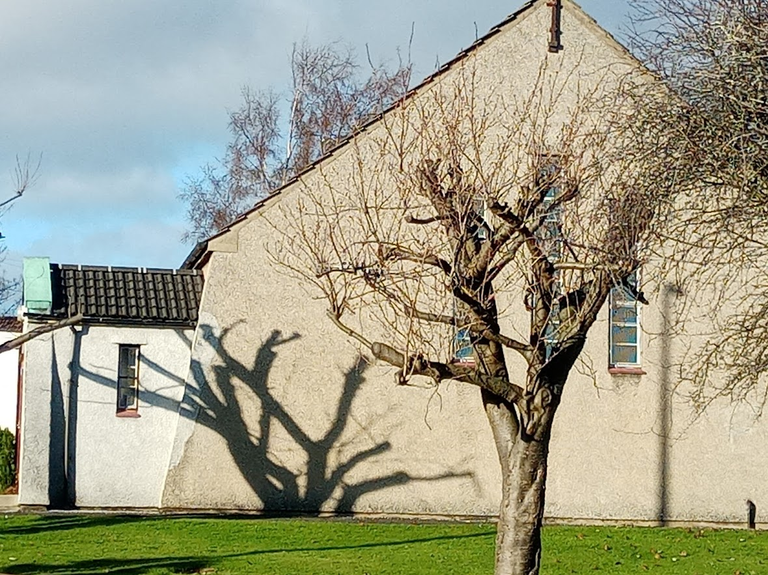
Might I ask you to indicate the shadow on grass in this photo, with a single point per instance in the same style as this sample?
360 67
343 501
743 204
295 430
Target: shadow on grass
49 523
125 566
197 564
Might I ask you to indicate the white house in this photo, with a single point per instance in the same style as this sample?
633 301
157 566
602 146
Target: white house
10 327
101 399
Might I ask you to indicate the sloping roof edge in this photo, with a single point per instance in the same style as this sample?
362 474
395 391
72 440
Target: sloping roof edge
197 257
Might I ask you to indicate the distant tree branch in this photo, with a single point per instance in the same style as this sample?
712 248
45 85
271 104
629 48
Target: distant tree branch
25 174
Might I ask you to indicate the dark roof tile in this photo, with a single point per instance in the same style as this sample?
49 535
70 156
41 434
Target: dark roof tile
11 324
130 295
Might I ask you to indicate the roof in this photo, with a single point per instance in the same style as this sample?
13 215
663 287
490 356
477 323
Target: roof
198 253
11 324
126 295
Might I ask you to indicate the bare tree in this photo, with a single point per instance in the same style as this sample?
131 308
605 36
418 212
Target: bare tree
327 101
25 174
469 223
713 54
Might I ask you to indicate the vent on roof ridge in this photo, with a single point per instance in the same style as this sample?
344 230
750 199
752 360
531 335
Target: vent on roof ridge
555 30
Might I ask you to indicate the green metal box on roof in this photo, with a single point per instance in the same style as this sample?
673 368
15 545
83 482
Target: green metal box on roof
37 285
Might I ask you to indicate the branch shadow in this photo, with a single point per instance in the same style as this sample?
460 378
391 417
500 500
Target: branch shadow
113 565
196 564
53 522
324 483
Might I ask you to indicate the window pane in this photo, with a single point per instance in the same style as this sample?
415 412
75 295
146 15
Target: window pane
126 397
462 346
623 354
128 377
625 315
127 372
623 295
626 294
127 366
624 334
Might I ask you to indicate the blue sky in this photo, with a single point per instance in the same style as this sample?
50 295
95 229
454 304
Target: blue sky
124 99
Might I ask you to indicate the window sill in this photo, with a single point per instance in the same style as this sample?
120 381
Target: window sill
626 371
129 413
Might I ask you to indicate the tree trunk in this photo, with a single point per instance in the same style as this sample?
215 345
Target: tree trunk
524 473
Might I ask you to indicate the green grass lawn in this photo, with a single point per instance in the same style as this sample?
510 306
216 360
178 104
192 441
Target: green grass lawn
160 545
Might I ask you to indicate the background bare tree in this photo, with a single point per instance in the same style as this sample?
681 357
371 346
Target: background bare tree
467 223
326 101
713 54
25 173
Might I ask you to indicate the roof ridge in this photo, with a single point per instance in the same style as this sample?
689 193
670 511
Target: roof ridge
141 270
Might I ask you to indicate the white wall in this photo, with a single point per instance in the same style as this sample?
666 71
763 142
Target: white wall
115 461
9 380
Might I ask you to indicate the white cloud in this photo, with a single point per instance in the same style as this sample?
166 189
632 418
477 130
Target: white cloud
120 95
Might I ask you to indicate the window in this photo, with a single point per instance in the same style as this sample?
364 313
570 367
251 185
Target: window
128 379
462 346
550 238
624 328
550 233
478 219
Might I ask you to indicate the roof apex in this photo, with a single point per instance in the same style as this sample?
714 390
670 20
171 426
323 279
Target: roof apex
198 254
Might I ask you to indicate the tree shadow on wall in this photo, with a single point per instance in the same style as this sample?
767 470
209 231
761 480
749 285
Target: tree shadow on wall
324 483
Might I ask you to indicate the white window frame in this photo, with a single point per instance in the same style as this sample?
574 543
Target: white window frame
125 379
611 324
553 218
462 340
550 239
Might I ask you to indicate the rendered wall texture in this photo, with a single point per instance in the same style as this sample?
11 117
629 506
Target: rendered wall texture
74 449
307 431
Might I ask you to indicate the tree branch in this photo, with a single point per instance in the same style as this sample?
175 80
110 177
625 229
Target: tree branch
529 239
439 371
523 348
348 330
43 329
390 253
413 220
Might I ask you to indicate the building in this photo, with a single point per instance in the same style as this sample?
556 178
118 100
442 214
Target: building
10 327
267 406
101 398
